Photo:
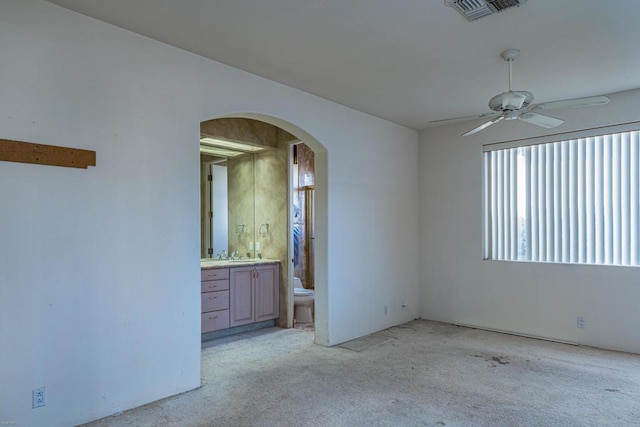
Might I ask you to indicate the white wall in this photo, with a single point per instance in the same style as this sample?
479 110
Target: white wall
530 298
99 272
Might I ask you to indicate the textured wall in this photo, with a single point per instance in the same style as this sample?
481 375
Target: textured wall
240 179
271 207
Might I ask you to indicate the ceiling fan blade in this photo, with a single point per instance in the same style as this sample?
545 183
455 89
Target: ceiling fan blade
589 101
464 117
540 120
483 126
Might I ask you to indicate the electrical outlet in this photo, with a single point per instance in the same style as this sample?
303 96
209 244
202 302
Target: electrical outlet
257 246
582 324
385 309
38 397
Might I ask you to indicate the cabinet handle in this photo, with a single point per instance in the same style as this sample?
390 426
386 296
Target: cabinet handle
213 318
213 297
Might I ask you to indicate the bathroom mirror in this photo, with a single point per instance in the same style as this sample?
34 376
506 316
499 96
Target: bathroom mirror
227 205
252 156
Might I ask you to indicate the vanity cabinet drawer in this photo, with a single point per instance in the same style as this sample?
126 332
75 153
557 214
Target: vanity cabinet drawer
212 301
215 273
215 321
215 285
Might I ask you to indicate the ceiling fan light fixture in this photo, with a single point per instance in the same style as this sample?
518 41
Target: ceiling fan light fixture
512 100
497 103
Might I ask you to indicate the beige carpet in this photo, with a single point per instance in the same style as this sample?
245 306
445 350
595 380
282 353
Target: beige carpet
419 374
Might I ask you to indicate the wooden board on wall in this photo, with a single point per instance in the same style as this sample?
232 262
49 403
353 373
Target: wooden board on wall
41 154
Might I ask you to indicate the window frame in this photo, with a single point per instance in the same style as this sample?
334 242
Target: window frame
633 126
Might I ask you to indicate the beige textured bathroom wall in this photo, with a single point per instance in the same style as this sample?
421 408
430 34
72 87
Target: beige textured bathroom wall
271 207
240 178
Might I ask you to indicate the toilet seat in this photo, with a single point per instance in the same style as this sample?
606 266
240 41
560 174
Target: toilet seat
302 292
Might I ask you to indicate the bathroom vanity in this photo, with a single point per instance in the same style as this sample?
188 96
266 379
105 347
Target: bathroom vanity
237 293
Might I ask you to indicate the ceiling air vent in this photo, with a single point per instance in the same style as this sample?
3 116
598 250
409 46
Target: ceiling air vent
476 9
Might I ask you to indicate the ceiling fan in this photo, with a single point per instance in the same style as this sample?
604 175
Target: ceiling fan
512 105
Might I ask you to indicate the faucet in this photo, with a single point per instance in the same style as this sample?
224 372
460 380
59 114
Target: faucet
224 256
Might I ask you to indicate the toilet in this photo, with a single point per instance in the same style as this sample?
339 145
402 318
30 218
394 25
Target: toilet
302 302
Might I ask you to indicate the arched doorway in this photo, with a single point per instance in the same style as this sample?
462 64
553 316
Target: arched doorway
321 227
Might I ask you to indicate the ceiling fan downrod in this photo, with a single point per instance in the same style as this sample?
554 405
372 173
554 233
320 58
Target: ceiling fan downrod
510 55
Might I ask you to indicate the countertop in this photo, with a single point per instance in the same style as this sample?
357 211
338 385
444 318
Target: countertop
214 263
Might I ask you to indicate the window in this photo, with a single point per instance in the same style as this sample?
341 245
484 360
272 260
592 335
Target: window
570 201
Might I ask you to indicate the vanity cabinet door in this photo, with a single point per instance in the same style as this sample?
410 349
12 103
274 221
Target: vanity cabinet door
241 296
267 294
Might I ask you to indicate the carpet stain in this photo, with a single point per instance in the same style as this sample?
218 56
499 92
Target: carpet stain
503 360
612 390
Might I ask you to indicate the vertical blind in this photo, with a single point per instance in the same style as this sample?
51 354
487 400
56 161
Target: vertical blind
572 201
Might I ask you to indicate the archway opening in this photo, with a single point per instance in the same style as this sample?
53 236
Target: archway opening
263 234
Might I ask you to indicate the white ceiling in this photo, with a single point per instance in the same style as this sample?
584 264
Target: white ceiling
408 61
